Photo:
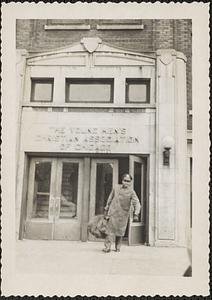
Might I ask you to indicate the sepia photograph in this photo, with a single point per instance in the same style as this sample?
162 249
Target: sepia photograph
103 150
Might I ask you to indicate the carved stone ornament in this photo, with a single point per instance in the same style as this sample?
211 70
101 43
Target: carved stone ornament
91 44
166 58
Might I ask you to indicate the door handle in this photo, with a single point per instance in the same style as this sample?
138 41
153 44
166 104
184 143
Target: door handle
57 202
51 209
57 207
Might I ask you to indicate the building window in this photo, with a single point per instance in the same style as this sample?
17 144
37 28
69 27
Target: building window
137 90
42 89
89 90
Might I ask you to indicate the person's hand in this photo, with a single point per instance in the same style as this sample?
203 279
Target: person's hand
106 217
135 218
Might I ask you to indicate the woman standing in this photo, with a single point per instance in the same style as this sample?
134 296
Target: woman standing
117 210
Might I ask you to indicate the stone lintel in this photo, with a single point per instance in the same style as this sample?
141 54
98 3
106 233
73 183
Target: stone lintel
120 27
67 27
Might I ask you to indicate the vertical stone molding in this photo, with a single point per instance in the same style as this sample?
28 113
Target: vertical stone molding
182 200
21 56
170 128
20 72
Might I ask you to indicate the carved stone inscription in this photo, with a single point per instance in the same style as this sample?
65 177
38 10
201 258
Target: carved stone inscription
92 139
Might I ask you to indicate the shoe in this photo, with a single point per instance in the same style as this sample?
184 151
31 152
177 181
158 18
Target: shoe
106 250
117 250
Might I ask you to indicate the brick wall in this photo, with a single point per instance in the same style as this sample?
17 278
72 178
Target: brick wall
183 43
157 34
33 37
163 34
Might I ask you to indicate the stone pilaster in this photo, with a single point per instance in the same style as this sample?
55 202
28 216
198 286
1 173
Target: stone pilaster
170 132
21 56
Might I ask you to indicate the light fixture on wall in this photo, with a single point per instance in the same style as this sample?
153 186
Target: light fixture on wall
166 156
168 143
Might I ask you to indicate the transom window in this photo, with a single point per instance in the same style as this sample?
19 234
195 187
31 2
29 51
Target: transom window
137 90
42 89
89 90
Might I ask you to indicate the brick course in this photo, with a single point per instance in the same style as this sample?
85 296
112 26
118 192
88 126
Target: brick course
157 34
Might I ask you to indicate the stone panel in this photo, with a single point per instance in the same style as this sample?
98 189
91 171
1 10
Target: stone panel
61 132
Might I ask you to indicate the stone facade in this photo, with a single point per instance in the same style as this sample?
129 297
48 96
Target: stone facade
156 50
156 34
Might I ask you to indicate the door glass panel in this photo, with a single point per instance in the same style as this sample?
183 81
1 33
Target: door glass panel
137 181
104 183
41 190
69 190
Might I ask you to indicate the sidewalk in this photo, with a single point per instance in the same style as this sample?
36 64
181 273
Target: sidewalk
64 257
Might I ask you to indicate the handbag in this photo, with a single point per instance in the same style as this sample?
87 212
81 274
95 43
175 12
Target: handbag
98 226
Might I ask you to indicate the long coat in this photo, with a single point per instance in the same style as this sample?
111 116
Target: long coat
118 208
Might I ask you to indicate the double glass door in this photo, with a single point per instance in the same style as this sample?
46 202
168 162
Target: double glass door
54 199
104 176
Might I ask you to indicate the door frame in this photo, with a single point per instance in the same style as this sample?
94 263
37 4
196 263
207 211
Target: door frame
30 222
94 162
65 224
92 204
144 160
23 209
132 160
